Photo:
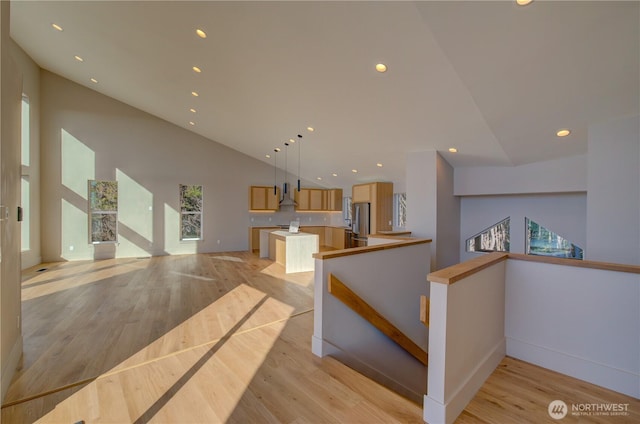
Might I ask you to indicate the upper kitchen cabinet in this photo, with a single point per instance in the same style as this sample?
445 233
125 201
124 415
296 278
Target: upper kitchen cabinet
302 199
380 197
262 198
318 199
361 193
334 199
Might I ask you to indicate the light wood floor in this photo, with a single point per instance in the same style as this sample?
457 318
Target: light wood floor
214 338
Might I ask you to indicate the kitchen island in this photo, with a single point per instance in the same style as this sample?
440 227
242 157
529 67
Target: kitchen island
293 250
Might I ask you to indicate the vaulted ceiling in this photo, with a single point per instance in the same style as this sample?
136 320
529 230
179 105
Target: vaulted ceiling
492 79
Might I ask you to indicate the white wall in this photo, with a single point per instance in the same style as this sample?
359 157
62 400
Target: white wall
10 111
30 72
448 225
613 204
391 281
563 175
432 209
564 214
86 135
578 321
466 340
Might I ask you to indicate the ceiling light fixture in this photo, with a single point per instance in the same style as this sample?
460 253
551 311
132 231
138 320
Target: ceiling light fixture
78 58
194 94
453 150
355 171
523 2
319 178
381 67
379 165
201 33
310 129
196 69
267 156
57 27
291 140
93 80
563 132
191 123
192 110
334 174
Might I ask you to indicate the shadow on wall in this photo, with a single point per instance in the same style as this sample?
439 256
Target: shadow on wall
136 235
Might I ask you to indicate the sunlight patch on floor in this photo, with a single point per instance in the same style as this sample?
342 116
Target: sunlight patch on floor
227 258
211 323
47 283
196 277
304 279
200 384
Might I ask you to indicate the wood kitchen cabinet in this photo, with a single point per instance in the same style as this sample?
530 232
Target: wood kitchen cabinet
262 198
380 197
361 193
334 199
318 199
302 199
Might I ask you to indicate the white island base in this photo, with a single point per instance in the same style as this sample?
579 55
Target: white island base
293 250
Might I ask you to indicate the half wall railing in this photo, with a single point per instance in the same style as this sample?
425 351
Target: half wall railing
579 318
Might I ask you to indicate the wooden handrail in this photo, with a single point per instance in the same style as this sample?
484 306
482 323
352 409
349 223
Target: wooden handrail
362 308
462 270
366 249
424 310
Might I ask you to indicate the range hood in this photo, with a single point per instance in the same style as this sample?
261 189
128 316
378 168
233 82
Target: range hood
287 201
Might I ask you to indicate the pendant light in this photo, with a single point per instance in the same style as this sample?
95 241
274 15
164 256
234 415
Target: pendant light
285 184
286 197
275 171
299 147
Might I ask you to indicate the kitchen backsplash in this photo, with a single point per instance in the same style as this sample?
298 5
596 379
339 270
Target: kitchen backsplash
305 218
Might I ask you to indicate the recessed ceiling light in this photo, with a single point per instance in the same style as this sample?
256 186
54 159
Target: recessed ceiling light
277 149
381 67
523 2
57 27
379 165
78 58
291 140
453 150
267 156
192 110
191 123
334 174
93 80
310 129
194 94
563 133
319 178
196 69
355 171
201 33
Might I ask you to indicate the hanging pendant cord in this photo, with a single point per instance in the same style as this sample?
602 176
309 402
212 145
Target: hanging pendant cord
299 148
275 172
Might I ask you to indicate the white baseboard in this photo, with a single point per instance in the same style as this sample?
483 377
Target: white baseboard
603 375
10 367
435 412
322 348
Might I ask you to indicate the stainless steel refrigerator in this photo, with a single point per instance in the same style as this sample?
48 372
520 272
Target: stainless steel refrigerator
360 224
